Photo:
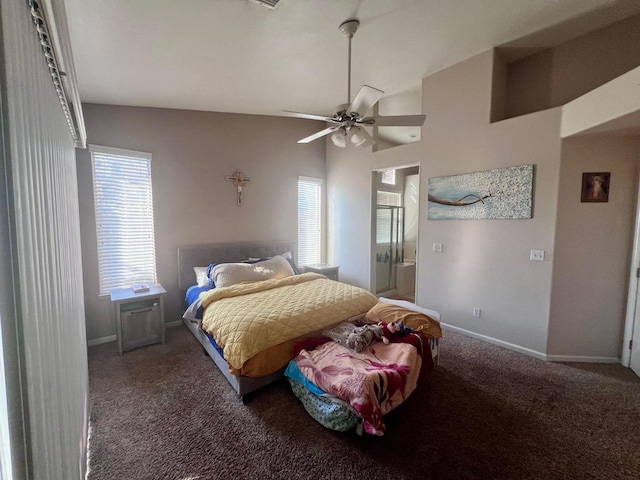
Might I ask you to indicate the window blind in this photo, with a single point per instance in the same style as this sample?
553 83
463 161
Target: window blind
331 232
388 177
309 220
384 218
124 217
392 199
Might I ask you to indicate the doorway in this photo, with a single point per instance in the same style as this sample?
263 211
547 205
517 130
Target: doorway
395 196
631 342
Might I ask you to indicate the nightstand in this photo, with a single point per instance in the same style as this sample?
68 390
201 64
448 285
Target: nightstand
329 271
139 317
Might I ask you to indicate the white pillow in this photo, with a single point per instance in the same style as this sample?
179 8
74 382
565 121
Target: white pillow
201 276
227 274
411 306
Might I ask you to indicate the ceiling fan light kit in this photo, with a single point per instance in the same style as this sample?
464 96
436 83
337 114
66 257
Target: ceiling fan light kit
339 138
348 120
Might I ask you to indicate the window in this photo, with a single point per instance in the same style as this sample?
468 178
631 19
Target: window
309 220
331 231
388 177
124 217
392 199
385 216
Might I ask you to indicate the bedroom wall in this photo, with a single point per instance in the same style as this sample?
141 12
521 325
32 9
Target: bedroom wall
193 203
535 307
593 248
558 75
484 263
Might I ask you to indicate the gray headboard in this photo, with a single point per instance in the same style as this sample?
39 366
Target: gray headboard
203 255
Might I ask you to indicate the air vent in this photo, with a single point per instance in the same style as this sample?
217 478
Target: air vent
268 3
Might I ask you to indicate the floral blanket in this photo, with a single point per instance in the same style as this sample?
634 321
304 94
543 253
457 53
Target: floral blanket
374 381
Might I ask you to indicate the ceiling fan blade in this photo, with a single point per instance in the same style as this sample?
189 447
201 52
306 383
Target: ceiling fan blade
395 121
319 134
308 116
365 99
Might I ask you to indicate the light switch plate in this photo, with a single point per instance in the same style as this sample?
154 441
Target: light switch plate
537 255
437 247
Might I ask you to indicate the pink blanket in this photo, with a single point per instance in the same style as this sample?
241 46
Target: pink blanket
374 381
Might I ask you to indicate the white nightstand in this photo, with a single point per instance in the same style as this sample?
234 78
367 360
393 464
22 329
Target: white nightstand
139 317
329 271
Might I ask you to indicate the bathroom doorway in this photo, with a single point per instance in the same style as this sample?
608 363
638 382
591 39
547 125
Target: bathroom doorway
395 195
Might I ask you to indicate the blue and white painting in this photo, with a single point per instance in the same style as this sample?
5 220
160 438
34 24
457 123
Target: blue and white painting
492 194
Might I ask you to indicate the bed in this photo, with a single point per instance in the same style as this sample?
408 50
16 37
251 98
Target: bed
342 385
248 366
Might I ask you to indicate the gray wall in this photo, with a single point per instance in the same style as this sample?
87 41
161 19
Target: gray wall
558 75
193 203
530 306
593 248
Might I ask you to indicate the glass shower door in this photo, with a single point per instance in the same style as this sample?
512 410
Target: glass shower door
389 242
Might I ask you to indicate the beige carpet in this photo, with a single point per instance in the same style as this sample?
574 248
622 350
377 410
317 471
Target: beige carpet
165 412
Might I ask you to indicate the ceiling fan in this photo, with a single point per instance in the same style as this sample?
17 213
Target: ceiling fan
346 124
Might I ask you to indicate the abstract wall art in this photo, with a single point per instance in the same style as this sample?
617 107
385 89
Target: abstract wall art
502 193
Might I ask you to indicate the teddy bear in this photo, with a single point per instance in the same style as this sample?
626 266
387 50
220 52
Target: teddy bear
393 329
363 336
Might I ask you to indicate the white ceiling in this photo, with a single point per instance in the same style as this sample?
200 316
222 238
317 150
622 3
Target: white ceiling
241 57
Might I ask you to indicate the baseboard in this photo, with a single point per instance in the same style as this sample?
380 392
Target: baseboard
495 341
579 359
532 353
99 341
113 338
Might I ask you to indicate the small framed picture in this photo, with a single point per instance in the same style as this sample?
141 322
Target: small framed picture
595 186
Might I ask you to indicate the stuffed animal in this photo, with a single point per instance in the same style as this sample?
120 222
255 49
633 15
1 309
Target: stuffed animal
362 337
393 329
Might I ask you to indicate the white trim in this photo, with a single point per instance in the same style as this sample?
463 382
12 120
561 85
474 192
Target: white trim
633 288
579 359
495 341
311 179
123 152
99 341
113 338
529 352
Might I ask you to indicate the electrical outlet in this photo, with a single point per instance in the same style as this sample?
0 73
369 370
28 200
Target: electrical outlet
477 312
437 247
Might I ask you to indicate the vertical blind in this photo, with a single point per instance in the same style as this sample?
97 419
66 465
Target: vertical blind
309 220
124 217
44 327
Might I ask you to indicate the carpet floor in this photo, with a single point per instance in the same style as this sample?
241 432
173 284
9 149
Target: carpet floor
166 412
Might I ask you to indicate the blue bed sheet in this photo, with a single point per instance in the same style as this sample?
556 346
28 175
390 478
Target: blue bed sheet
194 292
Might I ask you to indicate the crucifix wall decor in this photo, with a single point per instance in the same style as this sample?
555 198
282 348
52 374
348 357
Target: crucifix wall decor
239 180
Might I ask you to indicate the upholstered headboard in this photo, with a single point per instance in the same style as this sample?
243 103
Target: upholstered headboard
202 255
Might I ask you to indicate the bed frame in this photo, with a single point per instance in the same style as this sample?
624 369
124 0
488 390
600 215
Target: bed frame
201 256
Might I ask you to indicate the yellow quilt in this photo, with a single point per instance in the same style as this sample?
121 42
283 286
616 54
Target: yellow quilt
247 318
